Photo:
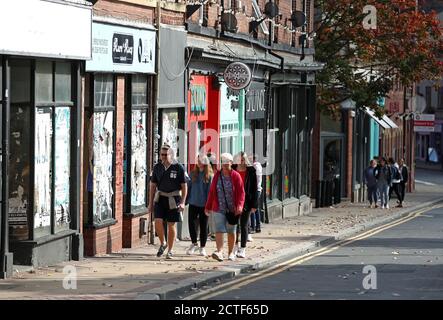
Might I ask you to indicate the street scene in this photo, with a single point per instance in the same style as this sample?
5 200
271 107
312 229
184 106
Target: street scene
260 150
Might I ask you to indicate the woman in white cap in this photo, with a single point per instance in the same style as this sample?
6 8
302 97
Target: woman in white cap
225 202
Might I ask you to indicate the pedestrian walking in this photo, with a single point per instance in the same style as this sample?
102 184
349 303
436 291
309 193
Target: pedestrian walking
168 191
383 176
256 216
225 203
404 179
201 178
371 183
249 178
396 179
213 161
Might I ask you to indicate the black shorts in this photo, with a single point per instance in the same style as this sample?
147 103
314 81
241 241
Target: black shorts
162 211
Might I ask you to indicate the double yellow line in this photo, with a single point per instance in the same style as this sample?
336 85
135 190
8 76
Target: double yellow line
245 280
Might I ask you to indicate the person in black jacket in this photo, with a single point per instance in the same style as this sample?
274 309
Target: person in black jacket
384 179
249 176
404 179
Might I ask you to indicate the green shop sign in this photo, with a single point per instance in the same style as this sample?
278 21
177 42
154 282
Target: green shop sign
198 99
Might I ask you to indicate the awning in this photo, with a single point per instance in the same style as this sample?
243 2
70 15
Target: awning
384 122
390 122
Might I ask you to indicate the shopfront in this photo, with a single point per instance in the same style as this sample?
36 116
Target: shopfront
41 107
255 113
291 118
118 117
232 119
203 114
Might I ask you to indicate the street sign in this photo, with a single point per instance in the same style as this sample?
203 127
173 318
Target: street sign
237 75
424 123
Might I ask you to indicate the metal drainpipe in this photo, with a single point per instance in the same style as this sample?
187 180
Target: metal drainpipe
155 120
5 265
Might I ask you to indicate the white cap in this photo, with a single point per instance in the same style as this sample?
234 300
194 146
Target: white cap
226 157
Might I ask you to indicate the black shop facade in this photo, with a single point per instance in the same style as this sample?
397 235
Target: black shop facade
41 100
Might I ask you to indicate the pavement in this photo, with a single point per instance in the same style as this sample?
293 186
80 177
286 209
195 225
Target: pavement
139 274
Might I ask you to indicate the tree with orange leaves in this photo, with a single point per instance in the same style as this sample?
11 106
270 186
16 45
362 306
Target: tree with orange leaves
362 63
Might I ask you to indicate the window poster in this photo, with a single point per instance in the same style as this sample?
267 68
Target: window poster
102 165
138 159
62 165
170 129
42 180
19 173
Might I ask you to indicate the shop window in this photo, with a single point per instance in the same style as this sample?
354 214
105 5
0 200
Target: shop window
103 146
21 81
20 146
43 81
50 144
62 81
136 154
52 147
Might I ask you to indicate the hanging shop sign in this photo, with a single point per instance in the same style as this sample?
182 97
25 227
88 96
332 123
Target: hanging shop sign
121 49
424 122
255 101
66 34
237 75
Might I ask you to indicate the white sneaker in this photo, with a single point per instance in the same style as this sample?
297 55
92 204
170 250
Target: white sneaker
235 250
383 207
203 252
192 249
250 238
241 253
232 256
217 256
387 206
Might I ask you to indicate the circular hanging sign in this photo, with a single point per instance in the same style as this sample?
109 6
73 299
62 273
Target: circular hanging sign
237 75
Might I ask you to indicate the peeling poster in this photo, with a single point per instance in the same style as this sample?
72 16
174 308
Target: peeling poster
138 159
102 165
42 189
62 165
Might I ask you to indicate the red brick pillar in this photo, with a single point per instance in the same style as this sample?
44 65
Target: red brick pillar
349 157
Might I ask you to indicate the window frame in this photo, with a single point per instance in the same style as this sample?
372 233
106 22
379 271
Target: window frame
130 107
52 106
92 109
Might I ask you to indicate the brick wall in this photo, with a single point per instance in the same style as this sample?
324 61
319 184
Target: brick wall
243 18
131 231
172 18
124 11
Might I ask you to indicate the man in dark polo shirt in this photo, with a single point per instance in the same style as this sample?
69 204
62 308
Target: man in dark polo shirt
168 191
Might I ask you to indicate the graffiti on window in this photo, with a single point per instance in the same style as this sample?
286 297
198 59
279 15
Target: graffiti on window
103 148
62 166
42 188
138 158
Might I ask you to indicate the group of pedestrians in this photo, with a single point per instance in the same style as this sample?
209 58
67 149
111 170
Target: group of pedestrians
225 201
382 178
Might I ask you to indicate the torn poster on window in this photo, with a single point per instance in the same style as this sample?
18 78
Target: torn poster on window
62 165
102 165
42 180
138 158
170 129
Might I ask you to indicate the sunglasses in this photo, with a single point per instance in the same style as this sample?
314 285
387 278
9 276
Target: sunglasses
164 154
